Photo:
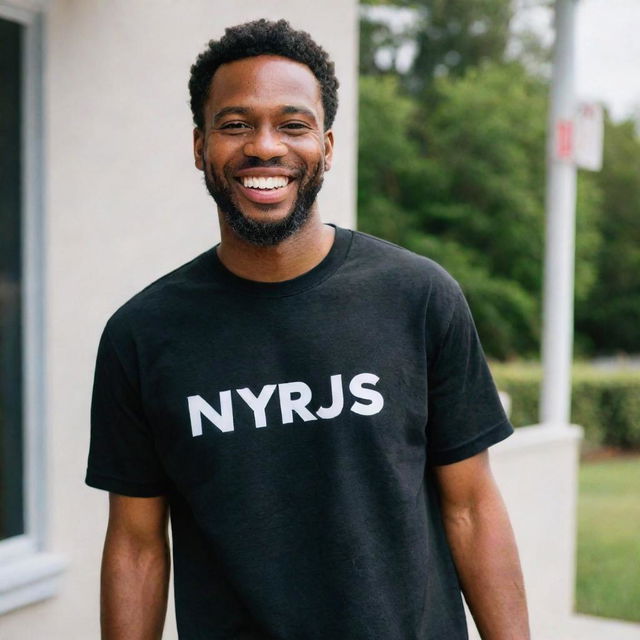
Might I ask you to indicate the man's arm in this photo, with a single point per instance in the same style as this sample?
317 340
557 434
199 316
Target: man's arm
135 569
483 548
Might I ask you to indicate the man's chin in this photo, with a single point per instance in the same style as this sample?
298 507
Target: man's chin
262 224
265 213
268 231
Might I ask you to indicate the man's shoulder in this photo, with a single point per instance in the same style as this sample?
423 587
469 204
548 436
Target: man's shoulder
385 259
164 293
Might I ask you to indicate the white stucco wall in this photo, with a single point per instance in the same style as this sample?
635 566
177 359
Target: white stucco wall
124 205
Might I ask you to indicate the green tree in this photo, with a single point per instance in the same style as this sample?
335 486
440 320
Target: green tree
457 35
464 185
463 203
450 36
610 316
488 132
383 140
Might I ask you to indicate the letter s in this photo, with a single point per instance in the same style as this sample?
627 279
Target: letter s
376 401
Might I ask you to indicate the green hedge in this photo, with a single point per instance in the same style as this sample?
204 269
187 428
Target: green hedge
605 403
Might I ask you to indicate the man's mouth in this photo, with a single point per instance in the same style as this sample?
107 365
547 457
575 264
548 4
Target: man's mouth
266 190
264 183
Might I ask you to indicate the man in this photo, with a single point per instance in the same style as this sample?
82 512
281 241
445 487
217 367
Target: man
312 404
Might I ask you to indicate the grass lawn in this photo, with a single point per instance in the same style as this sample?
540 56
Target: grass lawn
608 580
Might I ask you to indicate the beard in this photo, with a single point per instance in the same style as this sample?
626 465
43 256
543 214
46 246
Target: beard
256 232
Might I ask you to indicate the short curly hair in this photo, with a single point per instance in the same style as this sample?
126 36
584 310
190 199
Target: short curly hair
262 37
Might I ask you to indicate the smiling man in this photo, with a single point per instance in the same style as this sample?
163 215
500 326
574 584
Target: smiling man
310 404
264 186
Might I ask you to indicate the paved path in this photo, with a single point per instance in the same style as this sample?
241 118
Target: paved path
590 628
581 627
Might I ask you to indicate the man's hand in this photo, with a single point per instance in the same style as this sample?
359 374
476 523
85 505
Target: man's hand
484 548
135 569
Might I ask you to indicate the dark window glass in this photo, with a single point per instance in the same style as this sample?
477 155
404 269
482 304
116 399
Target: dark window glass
11 436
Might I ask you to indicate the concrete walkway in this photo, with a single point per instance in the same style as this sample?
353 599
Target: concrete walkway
590 628
581 627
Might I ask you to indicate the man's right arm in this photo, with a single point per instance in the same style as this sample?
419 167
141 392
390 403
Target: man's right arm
135 569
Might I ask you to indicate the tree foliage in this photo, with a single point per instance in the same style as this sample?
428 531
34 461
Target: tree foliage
458 35
452 166
449 36
609 318
463 185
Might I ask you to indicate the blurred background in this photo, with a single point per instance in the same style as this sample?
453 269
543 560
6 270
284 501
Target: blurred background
441 146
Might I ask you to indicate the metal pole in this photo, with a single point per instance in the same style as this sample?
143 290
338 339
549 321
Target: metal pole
557 340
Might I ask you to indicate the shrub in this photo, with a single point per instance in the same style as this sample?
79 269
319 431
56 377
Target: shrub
605 403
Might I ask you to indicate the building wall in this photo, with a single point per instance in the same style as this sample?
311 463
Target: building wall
124 205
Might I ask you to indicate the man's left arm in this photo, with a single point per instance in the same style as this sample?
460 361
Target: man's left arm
483 547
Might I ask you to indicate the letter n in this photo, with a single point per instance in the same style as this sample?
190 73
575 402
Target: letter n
199 407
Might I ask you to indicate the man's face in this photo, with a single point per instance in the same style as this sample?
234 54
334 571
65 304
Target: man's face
263 149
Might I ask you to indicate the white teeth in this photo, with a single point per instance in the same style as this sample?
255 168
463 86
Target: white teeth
258 182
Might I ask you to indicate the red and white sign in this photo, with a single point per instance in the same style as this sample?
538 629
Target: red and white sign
580 140
589 136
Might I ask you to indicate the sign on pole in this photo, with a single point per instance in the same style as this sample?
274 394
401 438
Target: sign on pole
580 140
589 136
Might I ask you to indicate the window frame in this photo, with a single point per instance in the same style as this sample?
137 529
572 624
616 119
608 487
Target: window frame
28 573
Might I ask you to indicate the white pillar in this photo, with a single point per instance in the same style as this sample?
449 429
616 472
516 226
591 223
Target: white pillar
557 340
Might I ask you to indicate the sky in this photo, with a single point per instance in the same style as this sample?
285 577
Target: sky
607 48
607 51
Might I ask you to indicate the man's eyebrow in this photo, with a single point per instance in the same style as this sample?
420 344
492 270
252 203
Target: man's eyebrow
293 109
242 111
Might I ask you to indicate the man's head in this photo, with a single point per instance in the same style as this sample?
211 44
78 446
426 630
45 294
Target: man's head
263 38
263 99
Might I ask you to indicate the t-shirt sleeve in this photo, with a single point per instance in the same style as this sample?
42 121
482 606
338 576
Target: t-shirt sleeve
465 415
122 453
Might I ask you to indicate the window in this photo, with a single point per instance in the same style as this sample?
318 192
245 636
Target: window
27 571
11 445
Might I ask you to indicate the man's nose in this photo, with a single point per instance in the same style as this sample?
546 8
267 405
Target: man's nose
265 143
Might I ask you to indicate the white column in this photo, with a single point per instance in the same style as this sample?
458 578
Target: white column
557 340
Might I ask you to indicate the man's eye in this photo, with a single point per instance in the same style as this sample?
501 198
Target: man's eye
234 125
295 125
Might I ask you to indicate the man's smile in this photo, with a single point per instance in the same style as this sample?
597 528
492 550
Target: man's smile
263 190
265 194
265 185
257 182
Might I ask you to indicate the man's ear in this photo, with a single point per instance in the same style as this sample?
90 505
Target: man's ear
198 147
328 149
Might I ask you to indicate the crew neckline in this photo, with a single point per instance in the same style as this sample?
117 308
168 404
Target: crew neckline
324 269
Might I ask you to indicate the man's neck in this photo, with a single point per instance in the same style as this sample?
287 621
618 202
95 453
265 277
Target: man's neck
291 258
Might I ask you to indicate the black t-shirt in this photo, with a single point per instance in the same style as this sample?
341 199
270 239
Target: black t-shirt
293 426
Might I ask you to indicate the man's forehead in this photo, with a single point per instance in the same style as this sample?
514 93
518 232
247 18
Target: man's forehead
265 78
